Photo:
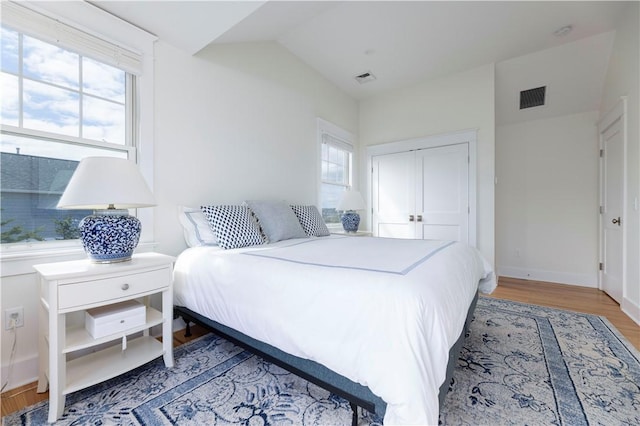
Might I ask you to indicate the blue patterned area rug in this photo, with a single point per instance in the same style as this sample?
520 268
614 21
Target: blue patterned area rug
525 364
521 364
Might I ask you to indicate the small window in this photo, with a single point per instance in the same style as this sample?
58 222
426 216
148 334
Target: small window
58 107
336 174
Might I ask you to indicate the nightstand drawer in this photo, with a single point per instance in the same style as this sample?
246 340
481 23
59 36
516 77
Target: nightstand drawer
104 290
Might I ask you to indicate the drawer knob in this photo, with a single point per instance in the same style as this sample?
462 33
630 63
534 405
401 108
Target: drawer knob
125 286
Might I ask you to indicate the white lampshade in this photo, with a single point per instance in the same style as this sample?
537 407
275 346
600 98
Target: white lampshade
351 200
100 182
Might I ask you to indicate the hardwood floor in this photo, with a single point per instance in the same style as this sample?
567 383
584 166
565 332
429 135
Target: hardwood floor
559 296
572 298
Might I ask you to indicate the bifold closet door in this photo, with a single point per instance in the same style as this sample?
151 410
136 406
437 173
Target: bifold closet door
393 195
422 194
442 193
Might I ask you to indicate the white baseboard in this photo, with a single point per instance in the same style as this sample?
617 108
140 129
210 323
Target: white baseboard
25 371
631 309
584 280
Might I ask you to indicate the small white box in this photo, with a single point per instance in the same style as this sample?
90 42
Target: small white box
111 319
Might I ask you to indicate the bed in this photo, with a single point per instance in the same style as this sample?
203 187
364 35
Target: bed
343 312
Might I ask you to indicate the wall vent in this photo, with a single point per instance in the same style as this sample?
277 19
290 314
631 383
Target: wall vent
532 97
365 77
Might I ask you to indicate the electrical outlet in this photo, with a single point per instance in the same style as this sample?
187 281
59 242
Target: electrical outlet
16 314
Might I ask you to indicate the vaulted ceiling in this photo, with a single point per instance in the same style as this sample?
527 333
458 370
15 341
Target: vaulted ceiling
405 42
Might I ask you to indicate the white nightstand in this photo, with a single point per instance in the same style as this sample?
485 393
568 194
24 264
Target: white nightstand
67 287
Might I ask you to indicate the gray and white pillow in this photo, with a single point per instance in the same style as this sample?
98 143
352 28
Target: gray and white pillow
311 220
277 220
234 226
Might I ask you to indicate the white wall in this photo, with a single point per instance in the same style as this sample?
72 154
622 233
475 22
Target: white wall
232 123
21 290
547 200
623 79
462 101
237 122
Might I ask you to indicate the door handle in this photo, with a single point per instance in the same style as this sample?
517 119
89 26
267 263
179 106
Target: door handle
419 218
411 218
617 221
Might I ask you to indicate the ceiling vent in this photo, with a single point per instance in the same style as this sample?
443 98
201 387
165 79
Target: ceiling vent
532 97
365 77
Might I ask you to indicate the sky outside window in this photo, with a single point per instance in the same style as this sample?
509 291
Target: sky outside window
62 92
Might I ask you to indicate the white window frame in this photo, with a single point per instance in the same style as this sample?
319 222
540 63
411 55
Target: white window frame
124 37
129 144
342 139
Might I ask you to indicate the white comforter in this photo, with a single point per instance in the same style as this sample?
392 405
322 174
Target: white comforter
381 312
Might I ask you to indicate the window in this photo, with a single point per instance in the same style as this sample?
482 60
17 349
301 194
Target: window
58 106
336 159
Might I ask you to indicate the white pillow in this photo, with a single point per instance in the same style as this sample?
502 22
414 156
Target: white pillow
196 228
234 226
277 220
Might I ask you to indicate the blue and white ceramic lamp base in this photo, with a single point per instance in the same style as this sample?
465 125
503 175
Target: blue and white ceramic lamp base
350 221
110 236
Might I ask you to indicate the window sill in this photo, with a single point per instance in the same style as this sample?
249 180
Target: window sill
334 226
19 259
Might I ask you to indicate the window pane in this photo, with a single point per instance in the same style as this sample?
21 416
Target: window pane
41 90
46 62
340 172
34 174
335 165
10 96
333 154
103 120
329 197
51 109
103 80
333 173
10 49
346 169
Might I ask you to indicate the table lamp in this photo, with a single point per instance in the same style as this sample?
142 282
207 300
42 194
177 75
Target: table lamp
109 186
349 202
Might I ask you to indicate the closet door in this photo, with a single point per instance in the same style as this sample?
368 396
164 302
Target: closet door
442 193
393 195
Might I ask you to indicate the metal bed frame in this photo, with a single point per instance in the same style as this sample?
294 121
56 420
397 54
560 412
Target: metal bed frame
356 394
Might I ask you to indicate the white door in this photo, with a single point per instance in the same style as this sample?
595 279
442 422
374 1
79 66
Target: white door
422 194
442 193
612 220
393 195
